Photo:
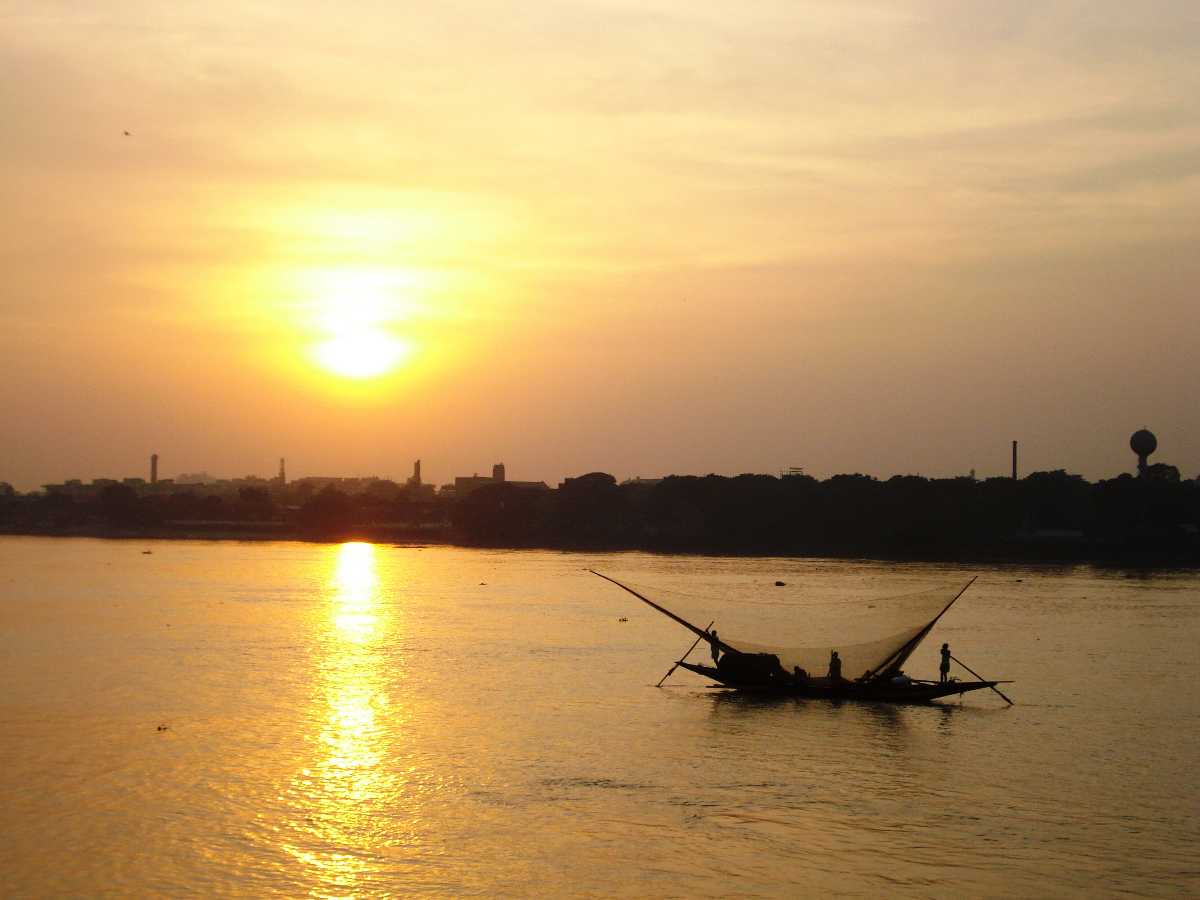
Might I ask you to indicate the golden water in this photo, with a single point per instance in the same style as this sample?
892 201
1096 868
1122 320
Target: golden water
363 720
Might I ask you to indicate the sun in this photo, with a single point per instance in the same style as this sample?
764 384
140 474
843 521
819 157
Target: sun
365 354
357 318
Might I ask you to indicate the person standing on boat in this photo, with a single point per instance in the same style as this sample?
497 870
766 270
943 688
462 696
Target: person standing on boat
835 669
944 669
716 646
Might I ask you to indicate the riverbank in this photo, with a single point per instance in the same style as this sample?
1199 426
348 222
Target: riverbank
1134 553
242 531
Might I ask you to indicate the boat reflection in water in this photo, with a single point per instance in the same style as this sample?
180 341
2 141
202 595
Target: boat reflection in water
347 787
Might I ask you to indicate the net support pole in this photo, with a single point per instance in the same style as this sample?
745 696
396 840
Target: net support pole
671 671
694 629
897 659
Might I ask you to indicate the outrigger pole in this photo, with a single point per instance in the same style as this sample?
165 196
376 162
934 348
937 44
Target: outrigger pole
699 632
981 678
682 658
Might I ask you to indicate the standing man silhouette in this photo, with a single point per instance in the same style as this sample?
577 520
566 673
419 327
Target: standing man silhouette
944 669
835 669
716 647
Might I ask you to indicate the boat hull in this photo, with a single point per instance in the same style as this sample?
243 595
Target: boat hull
881 691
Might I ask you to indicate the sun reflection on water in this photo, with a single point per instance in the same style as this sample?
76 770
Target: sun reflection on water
347 787
356 587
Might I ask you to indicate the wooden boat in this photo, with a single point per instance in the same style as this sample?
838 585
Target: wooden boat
908 690
757 669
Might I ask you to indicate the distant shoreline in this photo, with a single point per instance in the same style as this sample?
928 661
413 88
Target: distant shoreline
247 531
1054 517
1008 554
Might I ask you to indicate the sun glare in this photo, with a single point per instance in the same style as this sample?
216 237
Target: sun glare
362 354
357 316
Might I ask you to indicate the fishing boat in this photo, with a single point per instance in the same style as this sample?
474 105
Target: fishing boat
806 671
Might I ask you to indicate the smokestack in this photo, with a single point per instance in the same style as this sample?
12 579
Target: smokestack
154 468
1014 460
282 473
416 479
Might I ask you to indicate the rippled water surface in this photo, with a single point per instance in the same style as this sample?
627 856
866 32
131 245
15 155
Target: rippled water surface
294 719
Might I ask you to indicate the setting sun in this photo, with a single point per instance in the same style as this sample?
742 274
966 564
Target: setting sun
357 318
362 354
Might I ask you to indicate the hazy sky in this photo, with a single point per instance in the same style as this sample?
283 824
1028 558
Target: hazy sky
641 236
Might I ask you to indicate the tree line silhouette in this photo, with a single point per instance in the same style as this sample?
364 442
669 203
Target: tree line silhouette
1051 514
1047 515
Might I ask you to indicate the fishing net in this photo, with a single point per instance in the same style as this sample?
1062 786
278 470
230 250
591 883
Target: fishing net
867 633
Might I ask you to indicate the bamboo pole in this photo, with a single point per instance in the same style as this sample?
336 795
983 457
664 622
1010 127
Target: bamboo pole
682 658
981 678
896 660
694 629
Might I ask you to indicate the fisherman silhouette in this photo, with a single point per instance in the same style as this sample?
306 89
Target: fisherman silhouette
716 647
799 676
835 669
944 669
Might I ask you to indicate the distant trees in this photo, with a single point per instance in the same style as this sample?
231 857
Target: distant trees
1043 515
503 514
328 511
119 504
1056 500
255 504
590 511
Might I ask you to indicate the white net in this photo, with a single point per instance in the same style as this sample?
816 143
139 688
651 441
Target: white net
866 633
857 659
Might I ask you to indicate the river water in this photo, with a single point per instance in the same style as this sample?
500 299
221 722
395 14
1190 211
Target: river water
289 719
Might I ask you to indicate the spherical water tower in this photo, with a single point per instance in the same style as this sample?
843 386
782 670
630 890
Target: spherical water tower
1143 443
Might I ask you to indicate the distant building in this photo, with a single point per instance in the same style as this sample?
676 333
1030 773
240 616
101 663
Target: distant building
464 485
591 478
248 481
194 478
415 489
316 483
530 485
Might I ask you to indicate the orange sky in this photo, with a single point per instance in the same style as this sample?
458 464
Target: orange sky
643 237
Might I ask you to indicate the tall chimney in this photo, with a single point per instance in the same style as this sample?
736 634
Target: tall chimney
282 473
417 473
1014 460
154 468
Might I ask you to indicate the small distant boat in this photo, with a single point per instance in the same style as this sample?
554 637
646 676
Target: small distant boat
781 670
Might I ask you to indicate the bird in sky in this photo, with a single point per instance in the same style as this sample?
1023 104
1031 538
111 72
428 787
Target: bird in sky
128 134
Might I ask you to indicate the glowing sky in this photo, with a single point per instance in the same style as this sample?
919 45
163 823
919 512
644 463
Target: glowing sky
642 237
